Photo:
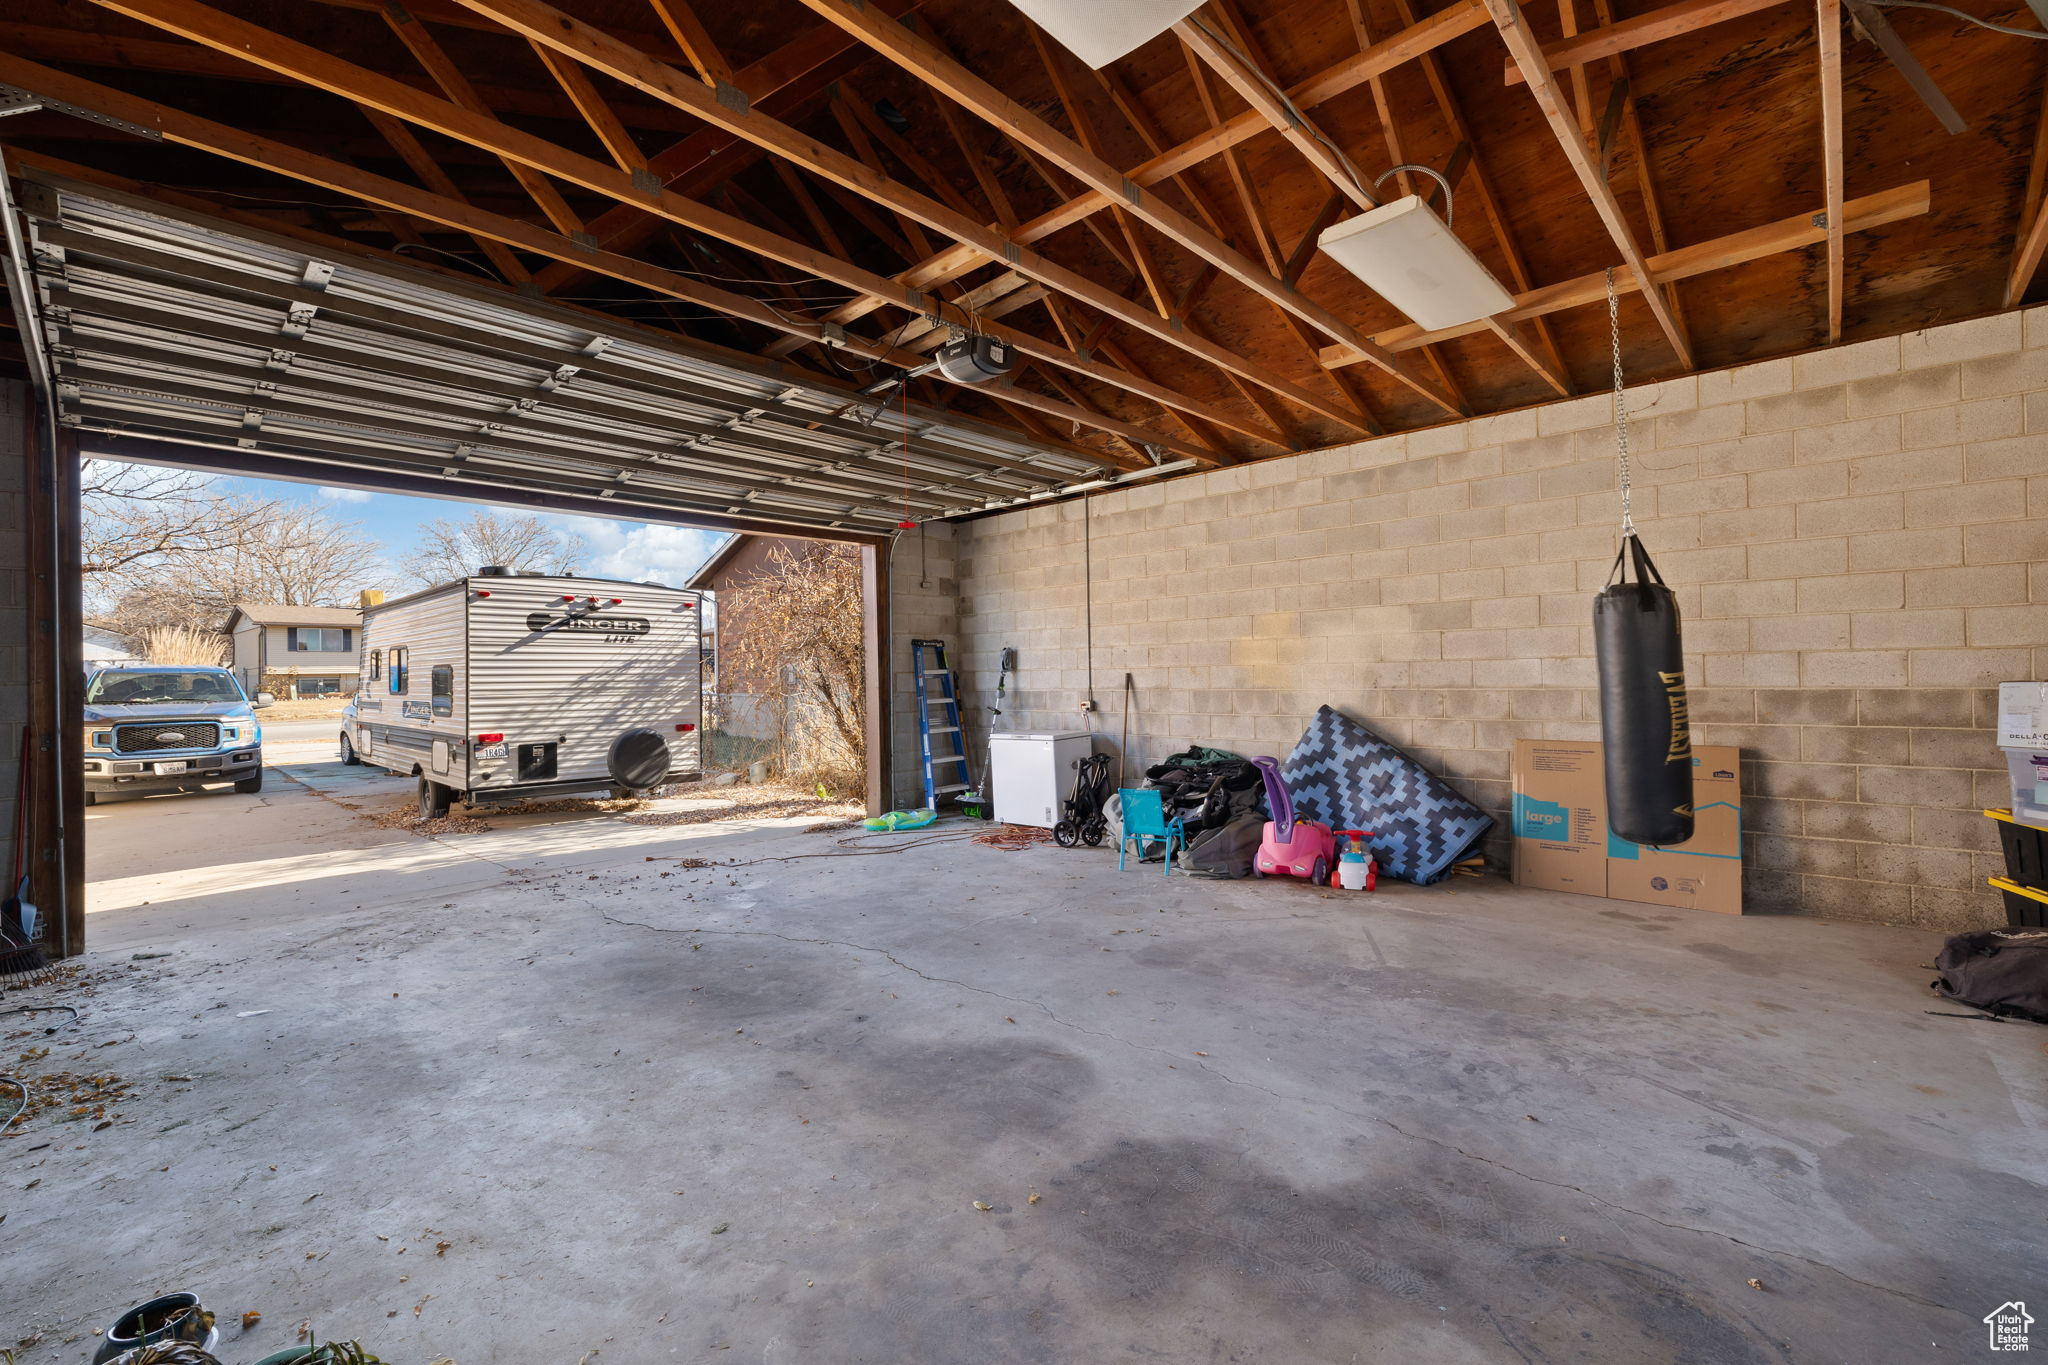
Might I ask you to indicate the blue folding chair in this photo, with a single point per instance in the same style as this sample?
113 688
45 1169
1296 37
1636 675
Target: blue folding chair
1145 821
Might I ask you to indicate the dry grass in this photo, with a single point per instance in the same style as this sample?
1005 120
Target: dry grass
182 645
307 708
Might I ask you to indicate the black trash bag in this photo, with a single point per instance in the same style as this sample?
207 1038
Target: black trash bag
1226 852
1999 971
1643 722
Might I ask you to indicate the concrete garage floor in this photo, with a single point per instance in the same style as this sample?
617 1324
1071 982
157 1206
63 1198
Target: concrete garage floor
1265 1124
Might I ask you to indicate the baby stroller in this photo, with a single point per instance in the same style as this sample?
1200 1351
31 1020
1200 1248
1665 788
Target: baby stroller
1081 819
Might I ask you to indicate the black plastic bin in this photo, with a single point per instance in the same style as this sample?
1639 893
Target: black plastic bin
2026 850
2025 906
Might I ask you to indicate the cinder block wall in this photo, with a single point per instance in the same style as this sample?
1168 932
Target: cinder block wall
1856 536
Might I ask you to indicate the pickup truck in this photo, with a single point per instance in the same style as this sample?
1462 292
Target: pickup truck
170 727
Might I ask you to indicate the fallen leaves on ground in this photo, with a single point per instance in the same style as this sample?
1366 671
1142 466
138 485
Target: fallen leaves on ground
408 818
80 1095
251 1318
759 803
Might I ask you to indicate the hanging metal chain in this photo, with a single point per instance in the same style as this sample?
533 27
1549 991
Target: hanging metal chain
1628 520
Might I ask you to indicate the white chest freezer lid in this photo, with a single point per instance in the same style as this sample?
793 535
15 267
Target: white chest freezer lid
1069 734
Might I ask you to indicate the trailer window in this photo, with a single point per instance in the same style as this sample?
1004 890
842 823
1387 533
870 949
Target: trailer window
444 690
376 665
398 672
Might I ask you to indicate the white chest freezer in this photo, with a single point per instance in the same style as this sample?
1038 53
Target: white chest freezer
1032 775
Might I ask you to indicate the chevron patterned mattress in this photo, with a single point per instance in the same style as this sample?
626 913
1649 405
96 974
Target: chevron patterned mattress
1347 777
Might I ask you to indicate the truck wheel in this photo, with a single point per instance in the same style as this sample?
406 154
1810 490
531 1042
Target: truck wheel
348 751
92 798
250 785
433 800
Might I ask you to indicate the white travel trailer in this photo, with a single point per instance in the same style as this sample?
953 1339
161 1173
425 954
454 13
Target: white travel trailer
506 685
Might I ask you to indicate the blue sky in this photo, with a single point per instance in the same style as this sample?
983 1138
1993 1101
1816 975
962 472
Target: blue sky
630 550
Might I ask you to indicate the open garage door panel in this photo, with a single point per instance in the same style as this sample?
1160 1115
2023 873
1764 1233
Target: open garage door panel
187 342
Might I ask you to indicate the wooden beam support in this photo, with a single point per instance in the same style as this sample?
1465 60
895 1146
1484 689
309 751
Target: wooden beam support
864 147
1881 32
1240 67
1646 180
1786 234
1456 19
919 57
1522 46
283 159
534 19
1319 150
807 203
1829 13
455 85
223 31
1671 21
1145 263
694 39
2033 231
39 42
796 72
596 110
436 178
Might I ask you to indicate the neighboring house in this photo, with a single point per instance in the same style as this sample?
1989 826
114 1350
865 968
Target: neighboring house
295 651
104 649
744 704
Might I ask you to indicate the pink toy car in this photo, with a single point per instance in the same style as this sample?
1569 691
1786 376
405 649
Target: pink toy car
1291 847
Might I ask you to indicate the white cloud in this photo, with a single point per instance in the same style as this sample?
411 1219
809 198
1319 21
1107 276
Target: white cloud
346 494
629 550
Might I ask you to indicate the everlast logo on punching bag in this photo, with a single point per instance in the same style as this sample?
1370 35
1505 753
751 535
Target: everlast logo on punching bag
1681 725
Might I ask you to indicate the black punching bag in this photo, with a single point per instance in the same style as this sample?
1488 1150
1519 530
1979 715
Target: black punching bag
1642 703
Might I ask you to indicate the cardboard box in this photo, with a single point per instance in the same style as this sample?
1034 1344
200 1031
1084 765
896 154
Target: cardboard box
2023 715
1562 842
1560 816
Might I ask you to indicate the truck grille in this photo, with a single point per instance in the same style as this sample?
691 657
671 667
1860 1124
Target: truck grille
163 738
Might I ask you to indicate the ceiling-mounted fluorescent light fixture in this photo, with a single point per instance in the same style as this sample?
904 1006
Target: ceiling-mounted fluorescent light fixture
1412 259
1100 31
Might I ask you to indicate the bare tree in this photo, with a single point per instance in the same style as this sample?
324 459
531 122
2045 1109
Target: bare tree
450 549
793 633
295 556
241 550
137 517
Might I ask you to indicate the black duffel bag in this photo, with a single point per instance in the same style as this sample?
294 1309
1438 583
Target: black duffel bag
1999 971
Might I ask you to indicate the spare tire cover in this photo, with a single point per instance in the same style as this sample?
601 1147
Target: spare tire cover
639 758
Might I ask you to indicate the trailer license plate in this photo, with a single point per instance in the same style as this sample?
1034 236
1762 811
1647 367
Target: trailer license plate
493 751
163 768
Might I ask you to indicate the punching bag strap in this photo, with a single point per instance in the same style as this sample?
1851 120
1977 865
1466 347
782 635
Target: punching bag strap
1632 550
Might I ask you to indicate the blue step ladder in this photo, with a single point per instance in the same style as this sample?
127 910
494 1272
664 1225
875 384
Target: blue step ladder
941 743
